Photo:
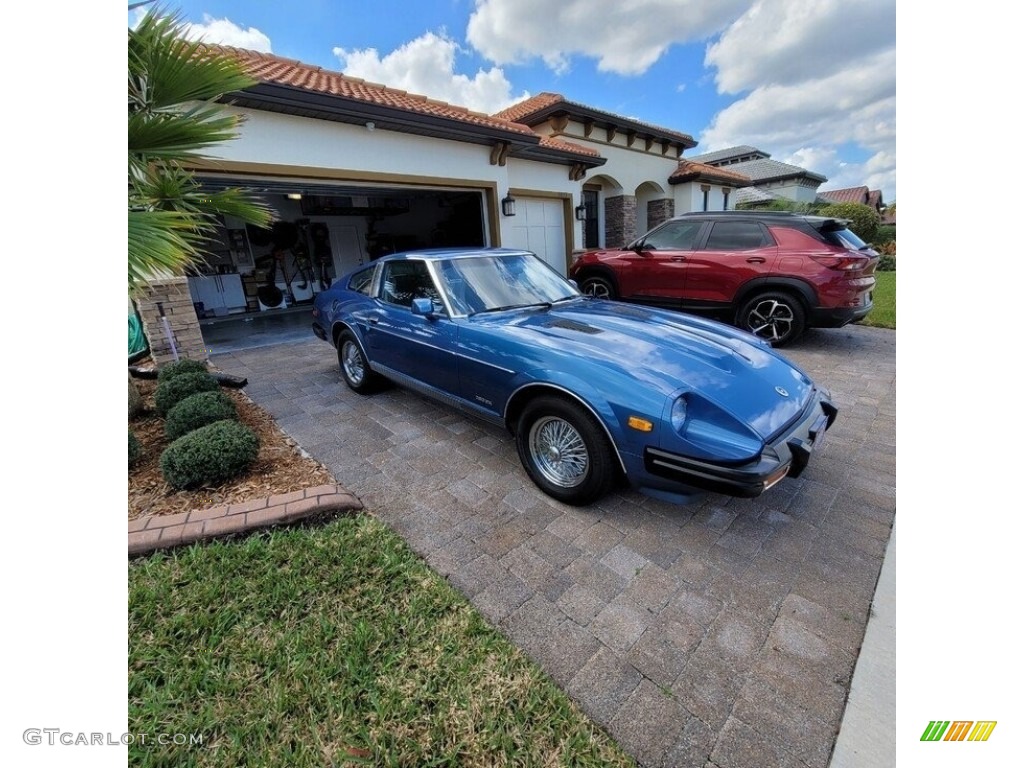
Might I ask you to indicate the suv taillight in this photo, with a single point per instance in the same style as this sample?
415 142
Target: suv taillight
844 262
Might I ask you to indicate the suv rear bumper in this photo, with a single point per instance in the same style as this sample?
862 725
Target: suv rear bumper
837 317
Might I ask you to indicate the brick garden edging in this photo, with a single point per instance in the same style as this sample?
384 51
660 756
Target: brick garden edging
153 532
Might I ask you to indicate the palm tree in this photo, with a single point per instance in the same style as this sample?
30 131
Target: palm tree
173 115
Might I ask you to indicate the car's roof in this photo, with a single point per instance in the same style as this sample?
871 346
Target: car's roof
443 254
762 215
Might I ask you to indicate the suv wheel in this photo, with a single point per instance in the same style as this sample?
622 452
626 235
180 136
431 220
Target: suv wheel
778 318
598 287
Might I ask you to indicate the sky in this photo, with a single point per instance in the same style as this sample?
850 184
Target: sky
811 83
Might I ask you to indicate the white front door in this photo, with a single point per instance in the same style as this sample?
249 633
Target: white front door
539 226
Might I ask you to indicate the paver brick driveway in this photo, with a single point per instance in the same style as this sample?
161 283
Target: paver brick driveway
723 633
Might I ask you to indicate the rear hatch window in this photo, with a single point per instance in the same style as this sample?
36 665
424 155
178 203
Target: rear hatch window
836 233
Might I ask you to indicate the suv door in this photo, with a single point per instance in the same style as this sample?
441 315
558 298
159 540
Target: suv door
732 253
658 271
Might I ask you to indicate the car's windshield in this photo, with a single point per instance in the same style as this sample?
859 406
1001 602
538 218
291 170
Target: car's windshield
502 281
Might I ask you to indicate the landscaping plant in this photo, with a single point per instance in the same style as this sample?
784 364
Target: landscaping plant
209 455
170 393
180 367
198 410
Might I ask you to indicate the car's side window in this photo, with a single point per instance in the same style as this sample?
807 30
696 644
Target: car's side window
674 236
736 236
404 281
362 282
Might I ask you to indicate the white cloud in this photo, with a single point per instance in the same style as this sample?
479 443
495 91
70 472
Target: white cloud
624 37
815 79
226 32
426 66
786 42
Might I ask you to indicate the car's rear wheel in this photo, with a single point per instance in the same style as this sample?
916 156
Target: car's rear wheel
354 367
776 317
565 451
599 287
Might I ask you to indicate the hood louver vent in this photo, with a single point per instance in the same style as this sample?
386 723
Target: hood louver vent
572 325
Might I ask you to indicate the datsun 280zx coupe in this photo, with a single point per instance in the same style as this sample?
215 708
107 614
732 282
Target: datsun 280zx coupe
594 391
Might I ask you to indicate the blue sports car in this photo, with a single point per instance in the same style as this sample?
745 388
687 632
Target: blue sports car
594 391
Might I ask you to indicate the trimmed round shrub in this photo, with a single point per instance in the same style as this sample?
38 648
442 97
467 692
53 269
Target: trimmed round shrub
886 263
169 393
179 367
198 410
134 448
209 455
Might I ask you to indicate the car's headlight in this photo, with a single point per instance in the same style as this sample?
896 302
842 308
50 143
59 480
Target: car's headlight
679 415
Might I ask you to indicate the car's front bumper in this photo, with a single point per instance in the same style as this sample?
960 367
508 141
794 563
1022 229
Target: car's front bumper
786 456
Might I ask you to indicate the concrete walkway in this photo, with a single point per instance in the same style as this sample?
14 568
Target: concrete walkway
721 634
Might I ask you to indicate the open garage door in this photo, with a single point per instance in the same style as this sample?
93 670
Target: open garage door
539 226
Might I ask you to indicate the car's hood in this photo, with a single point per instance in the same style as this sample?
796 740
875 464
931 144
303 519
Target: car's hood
670 351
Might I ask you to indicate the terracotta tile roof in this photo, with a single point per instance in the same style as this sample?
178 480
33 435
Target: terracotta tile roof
567 146
275 69
533 104
689 170
848 195
538 107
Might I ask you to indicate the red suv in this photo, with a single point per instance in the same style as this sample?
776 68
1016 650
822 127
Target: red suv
773 274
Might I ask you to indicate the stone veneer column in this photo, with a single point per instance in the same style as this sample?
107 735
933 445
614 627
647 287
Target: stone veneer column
173 295
659 211
619 221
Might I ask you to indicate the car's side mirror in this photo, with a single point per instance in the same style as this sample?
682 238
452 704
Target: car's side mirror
424 307
636 245
574 284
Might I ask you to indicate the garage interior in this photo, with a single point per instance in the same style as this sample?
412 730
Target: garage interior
322 232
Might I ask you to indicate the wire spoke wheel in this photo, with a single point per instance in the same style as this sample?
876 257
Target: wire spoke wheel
353 363
559 452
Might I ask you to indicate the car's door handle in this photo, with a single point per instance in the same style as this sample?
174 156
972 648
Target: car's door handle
372 319
755 260
678 258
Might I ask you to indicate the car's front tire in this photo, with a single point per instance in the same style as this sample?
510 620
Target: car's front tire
565 451
598 287
776 317
355 369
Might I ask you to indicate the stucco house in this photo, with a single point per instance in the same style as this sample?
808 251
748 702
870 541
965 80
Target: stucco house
355 170
644 179
770 179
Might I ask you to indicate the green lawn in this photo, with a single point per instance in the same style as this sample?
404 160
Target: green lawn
333 645
884 313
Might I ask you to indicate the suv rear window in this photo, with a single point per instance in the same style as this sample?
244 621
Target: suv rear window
842 237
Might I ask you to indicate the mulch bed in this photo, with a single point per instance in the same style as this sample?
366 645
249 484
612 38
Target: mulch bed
281 466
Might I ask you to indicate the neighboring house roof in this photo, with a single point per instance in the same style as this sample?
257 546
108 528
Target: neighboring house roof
848 195
689 170
754 195
292 87
766 170
854 195
537 109
736 154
